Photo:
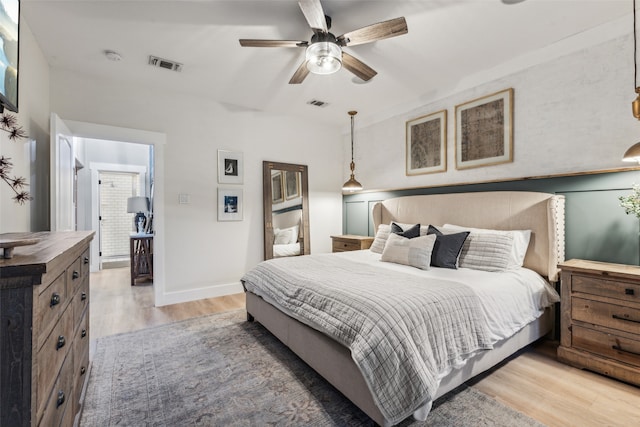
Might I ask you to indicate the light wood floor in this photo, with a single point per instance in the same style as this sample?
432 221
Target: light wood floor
534 382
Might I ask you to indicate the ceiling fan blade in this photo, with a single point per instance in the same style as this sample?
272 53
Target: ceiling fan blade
300 74
371 33
357 67
272 43
313 13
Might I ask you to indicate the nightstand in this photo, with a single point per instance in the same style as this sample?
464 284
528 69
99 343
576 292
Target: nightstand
349 242
600 318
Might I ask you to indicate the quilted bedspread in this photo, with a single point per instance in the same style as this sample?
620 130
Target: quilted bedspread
403 331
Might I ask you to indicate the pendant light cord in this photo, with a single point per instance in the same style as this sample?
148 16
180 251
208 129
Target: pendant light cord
352 132
635 48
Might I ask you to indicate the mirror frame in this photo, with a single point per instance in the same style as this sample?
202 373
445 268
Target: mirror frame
267 167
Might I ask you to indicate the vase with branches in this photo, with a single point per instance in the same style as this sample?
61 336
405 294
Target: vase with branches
631 203
9 124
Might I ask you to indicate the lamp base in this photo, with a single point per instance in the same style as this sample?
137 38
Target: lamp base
139 221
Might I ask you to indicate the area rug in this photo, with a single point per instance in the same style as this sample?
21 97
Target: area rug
220 370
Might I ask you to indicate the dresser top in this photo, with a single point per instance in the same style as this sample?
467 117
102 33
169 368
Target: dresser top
35 259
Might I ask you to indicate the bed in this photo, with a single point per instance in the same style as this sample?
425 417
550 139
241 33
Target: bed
286 232
328 352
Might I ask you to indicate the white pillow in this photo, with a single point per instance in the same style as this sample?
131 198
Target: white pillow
286 236
381 238
519 247
415 252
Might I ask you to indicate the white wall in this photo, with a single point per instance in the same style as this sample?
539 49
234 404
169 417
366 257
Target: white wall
572 113
203 255
30 157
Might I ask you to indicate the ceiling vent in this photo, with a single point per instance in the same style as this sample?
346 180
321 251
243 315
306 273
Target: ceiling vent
164 63
318 103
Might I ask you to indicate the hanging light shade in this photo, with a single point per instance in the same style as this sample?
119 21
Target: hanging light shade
352 184
324 57
633 153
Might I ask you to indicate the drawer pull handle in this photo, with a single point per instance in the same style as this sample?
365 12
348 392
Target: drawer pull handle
75 275
618 348
86 260
55 299
83 333
83 370
629 291
61 342
617 316
60 398
83 296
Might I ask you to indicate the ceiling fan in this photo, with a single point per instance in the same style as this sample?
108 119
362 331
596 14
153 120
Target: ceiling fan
324 54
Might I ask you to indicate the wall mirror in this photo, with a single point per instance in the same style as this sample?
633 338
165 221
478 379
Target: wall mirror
286 209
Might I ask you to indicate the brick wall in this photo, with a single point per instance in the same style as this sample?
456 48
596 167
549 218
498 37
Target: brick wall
116 224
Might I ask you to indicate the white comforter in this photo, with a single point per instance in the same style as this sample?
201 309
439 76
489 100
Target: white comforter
510 299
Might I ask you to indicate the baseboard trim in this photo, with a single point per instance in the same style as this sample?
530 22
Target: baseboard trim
220 290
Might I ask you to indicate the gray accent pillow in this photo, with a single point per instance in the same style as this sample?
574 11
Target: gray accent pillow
381 238
410 232
486 251
415 252
447 248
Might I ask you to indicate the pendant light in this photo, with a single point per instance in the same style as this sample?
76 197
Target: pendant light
633 153
352 184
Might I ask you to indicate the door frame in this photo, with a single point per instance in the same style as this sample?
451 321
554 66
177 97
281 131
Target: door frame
95 168
158 140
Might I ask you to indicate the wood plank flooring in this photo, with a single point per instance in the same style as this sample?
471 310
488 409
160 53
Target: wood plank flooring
534 382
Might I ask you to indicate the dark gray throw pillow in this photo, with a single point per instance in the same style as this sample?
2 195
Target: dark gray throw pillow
447 248
409 233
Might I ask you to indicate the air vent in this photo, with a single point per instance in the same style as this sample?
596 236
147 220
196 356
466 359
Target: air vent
318 103
164 63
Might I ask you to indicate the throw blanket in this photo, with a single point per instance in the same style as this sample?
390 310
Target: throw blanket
403 331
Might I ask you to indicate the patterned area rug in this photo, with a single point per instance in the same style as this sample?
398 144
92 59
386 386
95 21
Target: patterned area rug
220 370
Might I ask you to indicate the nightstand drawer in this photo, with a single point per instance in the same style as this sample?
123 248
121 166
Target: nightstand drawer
608 345
609 315
342 245
605 287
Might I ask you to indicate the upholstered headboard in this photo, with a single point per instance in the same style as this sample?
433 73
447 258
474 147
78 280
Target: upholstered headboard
541 213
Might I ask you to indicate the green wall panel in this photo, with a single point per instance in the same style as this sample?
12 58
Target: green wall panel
596 227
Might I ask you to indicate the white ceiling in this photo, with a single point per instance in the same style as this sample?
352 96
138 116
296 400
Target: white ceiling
447 41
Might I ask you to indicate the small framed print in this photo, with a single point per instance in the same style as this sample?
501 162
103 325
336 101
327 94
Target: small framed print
277 195
291 184
484 131
230 167
427 144
230 204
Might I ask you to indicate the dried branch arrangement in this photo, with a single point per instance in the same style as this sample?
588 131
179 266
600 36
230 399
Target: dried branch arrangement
8 124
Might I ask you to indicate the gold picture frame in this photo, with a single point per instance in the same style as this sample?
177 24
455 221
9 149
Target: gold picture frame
484 131
426 144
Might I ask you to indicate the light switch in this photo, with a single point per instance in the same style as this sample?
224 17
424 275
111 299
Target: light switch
183 199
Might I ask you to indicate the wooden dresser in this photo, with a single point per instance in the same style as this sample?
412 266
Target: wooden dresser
44 330
600 318
349 242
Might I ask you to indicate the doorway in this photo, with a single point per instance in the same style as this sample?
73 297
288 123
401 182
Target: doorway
115 223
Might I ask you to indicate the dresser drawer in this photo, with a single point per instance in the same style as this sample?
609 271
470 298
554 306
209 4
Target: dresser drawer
79 302
61 397
74 275
609 315
50 357
81 360
605 287
50 305
609 345
85 264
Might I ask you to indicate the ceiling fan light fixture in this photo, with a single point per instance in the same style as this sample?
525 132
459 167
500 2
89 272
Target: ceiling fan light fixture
324 58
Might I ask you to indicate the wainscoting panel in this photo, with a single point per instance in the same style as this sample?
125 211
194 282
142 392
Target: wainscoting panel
596 226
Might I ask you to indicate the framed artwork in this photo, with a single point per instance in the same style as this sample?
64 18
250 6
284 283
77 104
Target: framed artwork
427 144
229 204
291 184
484 131
277 193
230 167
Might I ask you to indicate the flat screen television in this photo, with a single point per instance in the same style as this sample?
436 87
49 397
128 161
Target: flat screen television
9 33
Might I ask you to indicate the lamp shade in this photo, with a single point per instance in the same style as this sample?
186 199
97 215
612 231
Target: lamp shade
324 58
632 154
137 204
